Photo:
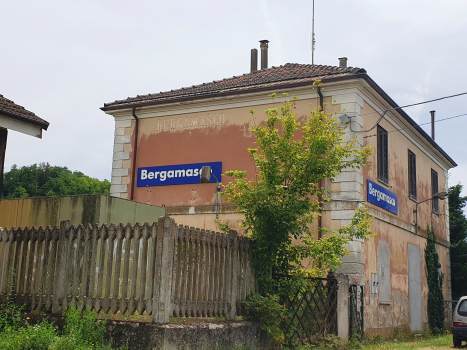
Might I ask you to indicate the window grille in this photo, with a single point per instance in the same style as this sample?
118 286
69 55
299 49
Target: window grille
383 158
412 176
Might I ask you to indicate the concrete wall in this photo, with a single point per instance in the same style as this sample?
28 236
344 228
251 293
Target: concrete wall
92 209
175 336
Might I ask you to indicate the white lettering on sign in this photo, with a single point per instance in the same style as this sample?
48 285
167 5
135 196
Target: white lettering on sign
381 196
190 122
164 175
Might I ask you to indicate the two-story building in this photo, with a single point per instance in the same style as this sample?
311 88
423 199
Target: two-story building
162 140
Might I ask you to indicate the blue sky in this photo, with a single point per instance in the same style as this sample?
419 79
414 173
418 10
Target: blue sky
64 59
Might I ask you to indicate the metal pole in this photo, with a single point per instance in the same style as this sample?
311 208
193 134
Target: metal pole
416 218
432 125
217 200
313 35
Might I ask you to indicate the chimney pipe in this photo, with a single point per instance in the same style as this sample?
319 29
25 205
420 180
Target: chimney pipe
343 62
264 53
432 125
254 60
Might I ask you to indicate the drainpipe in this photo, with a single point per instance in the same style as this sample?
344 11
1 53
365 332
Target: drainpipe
321 98
133 163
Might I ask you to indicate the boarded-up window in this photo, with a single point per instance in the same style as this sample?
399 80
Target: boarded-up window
383 160
412 176
434 190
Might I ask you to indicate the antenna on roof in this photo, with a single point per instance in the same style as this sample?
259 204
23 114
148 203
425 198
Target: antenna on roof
312 36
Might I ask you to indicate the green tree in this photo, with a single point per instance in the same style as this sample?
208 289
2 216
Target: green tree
435 284
46 180
280 203
283 199
458 238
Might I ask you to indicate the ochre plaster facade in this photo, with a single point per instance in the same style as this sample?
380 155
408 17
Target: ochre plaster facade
209 130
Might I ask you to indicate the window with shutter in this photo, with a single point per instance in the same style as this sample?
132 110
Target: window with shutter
383 158
434 190
412 176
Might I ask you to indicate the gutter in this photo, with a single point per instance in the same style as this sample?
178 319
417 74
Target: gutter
133 162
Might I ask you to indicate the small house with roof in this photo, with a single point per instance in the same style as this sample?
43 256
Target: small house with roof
17 118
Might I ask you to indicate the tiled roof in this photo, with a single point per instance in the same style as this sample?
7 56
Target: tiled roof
262 79
12 110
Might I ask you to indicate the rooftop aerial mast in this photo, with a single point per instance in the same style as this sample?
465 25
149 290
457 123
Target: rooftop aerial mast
312 39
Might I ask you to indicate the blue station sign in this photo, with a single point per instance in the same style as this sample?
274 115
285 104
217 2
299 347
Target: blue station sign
176 174
382 197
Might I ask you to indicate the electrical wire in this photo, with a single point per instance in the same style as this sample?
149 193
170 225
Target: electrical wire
411 127
410 105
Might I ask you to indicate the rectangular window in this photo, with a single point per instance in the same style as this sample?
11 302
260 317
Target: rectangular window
434 190
412 176
383 159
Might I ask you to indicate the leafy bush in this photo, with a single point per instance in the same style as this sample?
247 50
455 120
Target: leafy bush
84 327
82 332
269 312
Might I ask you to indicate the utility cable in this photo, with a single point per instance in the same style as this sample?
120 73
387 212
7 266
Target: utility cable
411 105
411 127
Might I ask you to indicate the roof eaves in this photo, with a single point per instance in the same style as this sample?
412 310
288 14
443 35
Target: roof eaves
44 125
234 91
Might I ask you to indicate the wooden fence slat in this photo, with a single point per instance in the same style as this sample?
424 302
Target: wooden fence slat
202 274
152 276
54 234
144 262
26 297
45 269
104 243
84 294
133 302
22 274
3 267
36 288
126 267
178 268
190 272
94 241
196 275
108 273
75 263
118 262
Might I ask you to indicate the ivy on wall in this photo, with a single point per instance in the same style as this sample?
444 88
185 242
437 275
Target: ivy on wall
435 278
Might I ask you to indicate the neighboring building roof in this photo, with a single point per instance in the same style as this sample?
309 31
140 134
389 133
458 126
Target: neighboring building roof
12 110
258 80
289 75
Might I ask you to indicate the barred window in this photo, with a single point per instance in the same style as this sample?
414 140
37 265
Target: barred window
383 158
412 176
434 190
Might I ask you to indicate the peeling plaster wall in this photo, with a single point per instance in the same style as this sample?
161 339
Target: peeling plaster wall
219 130
398 231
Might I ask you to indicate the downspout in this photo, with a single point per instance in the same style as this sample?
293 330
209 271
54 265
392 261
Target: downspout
320 225
321 98
133 163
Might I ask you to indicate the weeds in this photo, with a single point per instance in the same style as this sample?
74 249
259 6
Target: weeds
82 332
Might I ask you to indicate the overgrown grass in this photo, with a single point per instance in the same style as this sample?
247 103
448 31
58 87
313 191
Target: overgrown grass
439 342
82 332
